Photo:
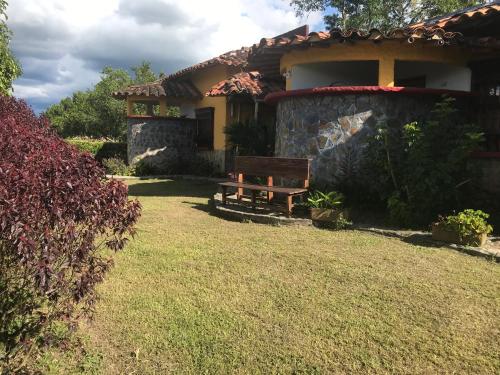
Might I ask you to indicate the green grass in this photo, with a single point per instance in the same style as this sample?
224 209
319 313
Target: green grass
194 293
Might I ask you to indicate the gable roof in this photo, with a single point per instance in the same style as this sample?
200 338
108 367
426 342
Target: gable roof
236 58
249 83
161 88
177 85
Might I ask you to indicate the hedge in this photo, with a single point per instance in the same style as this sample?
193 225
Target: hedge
101 149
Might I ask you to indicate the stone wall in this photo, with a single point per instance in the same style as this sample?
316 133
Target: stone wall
161 142
332 130
490 171
217 158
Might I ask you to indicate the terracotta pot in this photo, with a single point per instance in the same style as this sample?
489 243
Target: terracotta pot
440 233
327 215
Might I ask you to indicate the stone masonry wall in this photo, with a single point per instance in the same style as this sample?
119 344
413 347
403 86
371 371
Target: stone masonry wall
161 142
490 170
332 130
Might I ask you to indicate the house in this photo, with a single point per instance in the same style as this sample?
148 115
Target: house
326 90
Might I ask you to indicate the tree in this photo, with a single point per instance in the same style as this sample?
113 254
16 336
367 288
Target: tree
95 113
381 14
9 66
144 73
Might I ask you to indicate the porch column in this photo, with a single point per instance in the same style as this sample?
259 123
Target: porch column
163 106
256 111
386 72
150 109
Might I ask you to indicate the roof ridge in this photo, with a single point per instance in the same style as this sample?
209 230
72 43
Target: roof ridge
444 19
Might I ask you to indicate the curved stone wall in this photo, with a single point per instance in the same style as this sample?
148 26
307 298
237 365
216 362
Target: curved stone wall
161 142
332 129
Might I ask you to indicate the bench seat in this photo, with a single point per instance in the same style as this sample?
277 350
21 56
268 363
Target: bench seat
274 189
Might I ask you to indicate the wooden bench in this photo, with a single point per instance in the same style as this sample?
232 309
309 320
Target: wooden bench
259 166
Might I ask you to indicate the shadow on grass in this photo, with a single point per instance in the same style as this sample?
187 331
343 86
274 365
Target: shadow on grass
173 188
207 208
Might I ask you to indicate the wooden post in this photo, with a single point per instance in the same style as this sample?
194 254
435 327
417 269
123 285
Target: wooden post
130 107
386 72
149 109
163 107
256 111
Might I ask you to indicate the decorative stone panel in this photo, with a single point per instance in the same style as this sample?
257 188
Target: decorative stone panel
161 142
332 130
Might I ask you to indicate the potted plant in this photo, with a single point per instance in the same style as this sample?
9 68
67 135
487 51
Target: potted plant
327 207
468 227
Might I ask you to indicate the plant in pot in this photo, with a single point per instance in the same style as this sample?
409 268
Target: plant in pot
327 209
469 227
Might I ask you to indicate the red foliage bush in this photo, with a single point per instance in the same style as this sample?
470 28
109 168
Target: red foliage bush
57 215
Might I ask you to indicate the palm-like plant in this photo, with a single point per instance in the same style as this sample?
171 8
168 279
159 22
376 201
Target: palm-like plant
330 200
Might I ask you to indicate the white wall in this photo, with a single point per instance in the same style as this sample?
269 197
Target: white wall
438 76
345 73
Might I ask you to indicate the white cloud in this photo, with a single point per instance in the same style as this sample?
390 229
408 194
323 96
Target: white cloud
63 44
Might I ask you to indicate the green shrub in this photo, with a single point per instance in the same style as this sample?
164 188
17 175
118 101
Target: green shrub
100 149
423 169
117 167
109 150
467 224
89 145
252 138
143 168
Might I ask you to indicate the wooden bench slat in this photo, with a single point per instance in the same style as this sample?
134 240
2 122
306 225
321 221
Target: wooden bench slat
274 189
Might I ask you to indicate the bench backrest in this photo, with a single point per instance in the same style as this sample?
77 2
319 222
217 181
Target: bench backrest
291 168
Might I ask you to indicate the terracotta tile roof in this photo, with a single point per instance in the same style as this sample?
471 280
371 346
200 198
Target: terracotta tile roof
436 35
250 83
161 88
236 58
266 55
461 16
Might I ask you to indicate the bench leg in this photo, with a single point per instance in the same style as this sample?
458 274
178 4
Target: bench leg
270 197
270 194
254 199
224 195
289 205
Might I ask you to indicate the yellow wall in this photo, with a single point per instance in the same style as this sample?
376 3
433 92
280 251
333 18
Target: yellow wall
204 80
385 52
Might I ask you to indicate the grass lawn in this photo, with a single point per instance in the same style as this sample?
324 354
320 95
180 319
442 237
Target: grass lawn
194 293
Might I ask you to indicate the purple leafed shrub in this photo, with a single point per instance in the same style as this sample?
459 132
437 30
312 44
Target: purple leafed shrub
58 215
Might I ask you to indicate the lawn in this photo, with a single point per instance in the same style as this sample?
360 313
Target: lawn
194 293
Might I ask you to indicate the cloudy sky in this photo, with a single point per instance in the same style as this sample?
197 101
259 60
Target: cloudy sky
64 44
